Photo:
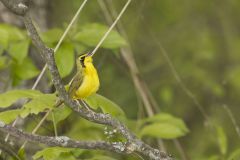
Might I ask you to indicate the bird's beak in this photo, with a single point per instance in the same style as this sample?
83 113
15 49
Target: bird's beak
89 54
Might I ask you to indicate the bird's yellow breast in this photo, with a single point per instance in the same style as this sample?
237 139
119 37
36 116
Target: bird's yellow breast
90 83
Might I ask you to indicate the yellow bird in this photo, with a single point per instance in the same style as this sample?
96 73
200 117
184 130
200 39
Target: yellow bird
85 82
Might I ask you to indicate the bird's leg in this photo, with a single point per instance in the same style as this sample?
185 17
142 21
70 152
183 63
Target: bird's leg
78 104
85 105
82 103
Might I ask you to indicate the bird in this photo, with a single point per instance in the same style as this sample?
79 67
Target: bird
85 82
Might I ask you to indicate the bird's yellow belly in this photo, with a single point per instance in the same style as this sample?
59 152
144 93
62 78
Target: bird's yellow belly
89 86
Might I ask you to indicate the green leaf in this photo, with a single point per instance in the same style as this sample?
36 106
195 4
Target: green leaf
222 140
60 113
22 153
92 131
101 157
52 35
24 71
10 34
65 156
235 155
77 152
65 59
164 125
19 50
13 33
39 104
9 116
8 98
51 153
91 34
162 130
97 101
167 118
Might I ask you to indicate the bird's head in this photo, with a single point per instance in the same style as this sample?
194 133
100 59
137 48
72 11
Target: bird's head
84 60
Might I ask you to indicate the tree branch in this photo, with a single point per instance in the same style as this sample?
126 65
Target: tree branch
133 144
17 8
62 141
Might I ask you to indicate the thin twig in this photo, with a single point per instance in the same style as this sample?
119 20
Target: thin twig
54 125
111 27
127 55
60 41
37 127
230 114
179 80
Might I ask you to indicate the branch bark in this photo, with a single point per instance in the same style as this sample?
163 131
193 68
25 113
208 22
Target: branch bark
133 144
62 141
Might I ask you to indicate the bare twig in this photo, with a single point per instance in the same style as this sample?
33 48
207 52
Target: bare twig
130 61
133 144
54 125
60 41
231 116
179 80
38 126
111 27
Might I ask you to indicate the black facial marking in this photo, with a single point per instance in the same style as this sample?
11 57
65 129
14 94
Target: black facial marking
82 61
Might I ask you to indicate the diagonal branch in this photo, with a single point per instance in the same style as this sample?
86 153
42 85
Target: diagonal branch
133 144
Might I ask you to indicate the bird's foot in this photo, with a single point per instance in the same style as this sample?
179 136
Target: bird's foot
88 108
86 105
78 104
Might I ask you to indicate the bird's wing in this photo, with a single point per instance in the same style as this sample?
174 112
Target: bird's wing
75 83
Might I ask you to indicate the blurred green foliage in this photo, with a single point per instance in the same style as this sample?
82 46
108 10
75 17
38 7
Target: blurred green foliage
164 126
202 41
16 42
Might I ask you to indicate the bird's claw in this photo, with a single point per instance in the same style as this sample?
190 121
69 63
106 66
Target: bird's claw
86 106
78 104
83 104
